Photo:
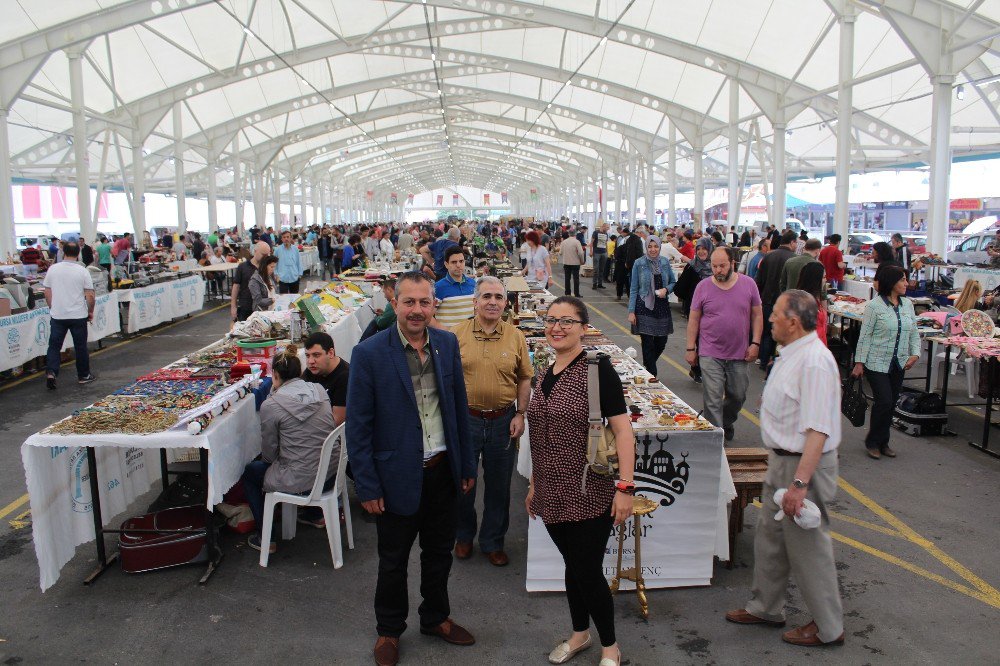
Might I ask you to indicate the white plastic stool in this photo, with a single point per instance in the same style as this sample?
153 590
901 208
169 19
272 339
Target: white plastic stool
316 497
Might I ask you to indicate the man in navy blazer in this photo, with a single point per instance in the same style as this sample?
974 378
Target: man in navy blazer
408 442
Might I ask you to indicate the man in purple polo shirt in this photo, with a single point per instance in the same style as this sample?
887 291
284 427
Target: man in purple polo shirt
723 337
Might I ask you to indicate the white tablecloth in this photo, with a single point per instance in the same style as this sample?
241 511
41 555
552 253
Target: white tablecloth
688 471
25 336
158 303
57 475
309 258
989 278
858 289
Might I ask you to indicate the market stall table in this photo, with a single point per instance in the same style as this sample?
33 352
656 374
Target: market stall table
987 349
26 334
228 269
78 482
161 302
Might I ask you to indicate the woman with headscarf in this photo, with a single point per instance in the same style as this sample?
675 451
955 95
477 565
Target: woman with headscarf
648 307
697 270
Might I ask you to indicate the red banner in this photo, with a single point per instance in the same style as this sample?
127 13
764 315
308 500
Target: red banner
966 204
503 197
393 199
440 200
409 198
454 200
369 195
486 199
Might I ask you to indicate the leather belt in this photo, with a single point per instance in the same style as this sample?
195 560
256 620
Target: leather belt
435 460
785 452
490 414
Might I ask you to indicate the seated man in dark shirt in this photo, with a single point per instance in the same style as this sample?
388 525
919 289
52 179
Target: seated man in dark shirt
324 367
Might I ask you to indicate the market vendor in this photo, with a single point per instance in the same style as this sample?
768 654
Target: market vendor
289 266
294 423
241 298
325 368
454 290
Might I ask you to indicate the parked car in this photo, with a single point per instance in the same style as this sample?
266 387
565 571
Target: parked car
917 243
862 241
972 250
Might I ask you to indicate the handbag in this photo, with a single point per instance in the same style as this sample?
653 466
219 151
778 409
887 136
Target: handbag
853 403
602 450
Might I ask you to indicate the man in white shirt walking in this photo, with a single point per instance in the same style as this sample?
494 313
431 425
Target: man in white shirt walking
800 423
69 293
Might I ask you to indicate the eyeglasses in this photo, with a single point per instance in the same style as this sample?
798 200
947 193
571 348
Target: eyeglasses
564 322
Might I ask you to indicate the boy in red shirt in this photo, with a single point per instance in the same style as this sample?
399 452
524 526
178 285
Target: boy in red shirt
833 261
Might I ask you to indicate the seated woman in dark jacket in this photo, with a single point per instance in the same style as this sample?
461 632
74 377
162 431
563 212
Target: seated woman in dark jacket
295 420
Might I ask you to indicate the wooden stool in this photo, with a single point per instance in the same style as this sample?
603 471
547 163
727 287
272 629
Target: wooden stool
748 467
643 506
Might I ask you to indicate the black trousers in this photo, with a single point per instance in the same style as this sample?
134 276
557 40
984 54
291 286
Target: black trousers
572 274
767 345
434 522
623 281
600 268
652 347
288 287
582 545
885 391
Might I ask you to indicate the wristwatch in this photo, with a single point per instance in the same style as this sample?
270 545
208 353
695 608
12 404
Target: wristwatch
799 483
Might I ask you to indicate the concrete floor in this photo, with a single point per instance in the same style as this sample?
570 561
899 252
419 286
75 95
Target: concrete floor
916 551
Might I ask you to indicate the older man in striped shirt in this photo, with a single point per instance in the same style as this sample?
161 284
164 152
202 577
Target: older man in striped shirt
800 423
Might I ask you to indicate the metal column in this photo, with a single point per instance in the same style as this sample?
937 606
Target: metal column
276 198
650 190
733 210
633 186
8 243
672 178
780 178
699 187
940 164
845 103
138 187
179 168
213 198
238 184
88 228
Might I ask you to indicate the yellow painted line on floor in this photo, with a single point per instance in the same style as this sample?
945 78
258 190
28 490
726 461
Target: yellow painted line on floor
865 524
986 598
983 591
13 506
98 352
926 544
21 521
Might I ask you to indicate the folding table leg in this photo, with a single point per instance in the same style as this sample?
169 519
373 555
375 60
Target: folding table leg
103 561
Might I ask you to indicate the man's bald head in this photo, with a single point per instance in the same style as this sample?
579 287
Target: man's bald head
261 250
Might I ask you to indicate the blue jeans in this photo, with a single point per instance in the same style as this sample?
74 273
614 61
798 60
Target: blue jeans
253 489
491 441
57 335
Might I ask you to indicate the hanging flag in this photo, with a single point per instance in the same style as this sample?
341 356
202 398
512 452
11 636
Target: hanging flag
454 200
486 199
393 199
600 198
409 198
503 197
534 194
369 195
440 200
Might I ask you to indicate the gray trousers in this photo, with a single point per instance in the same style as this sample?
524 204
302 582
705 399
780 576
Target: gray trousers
782 548
724 389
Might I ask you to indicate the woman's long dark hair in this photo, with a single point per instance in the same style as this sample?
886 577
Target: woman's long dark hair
883 253
262 269
811 280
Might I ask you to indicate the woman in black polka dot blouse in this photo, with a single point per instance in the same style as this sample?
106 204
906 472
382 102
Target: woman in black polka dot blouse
579 521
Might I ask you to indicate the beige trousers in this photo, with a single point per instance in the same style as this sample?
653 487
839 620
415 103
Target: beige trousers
782 548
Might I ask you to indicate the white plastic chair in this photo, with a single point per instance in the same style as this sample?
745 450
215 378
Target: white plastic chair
316 497
960 360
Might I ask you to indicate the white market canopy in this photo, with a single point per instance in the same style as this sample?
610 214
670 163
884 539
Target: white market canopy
546 100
